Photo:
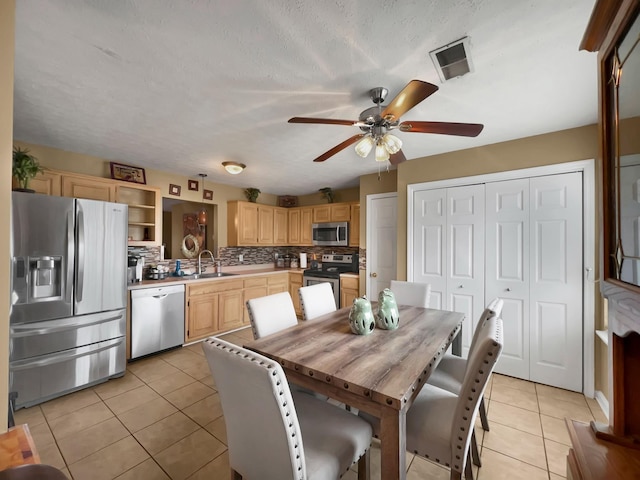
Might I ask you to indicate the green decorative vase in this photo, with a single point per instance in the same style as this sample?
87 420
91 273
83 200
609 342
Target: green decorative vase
361 317
387 316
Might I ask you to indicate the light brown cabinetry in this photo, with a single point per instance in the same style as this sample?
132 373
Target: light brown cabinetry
354 226
334 212
254 287
91 188
145 213
293 236
277 283
280 224
349 289
46 182
300 221
212 307
295 282
253 224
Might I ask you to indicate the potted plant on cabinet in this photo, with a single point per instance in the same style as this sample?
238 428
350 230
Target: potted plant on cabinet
25 167
252 194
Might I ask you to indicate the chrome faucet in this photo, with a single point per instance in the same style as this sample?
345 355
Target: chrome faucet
200 260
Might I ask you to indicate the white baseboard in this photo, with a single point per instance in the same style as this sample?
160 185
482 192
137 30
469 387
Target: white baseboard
603 402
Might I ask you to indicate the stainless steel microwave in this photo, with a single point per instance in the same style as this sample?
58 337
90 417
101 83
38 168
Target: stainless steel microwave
334 234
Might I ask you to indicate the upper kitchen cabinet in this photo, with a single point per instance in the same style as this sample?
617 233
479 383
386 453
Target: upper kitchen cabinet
333 212
46 182
300 221
254 224
145 213
91 188
354 226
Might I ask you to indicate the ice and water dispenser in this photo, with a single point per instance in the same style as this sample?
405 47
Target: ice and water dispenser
38 278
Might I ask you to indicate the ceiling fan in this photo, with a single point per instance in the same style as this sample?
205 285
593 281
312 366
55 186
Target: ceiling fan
377 123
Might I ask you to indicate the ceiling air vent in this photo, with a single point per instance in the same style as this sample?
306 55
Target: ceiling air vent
452 60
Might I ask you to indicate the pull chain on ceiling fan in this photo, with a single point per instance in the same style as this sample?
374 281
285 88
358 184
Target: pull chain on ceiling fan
377 123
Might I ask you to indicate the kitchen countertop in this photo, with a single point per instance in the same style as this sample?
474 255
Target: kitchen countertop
238 274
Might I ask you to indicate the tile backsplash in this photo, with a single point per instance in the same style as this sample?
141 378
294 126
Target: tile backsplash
251 255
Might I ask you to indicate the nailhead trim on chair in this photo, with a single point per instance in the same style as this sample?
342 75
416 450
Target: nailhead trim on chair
277 381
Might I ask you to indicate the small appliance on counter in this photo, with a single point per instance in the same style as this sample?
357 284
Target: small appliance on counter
135 264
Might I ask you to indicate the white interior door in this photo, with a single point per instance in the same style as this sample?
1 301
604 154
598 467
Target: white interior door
556 280
465 256
429 231
507 269
382 238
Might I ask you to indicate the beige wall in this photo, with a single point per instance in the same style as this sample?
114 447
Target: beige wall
7 25
344 195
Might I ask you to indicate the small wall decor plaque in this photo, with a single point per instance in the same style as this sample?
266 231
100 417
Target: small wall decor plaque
207 194
174 189
193 185
127 173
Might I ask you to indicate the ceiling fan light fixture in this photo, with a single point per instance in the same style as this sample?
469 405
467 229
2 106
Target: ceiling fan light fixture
392 143
364 146
234 168
382 155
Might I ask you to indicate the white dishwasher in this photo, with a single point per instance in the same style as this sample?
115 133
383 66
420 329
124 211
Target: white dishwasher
157 319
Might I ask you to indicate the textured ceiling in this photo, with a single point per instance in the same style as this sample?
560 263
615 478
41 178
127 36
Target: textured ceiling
183 86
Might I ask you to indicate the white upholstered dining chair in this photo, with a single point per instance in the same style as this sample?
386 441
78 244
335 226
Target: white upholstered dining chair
411 293
449 374
276 435
271 314
440 423
317 300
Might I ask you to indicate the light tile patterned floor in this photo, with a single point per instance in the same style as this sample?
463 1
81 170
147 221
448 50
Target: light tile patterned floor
163 420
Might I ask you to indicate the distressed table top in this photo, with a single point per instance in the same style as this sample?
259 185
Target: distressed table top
387 367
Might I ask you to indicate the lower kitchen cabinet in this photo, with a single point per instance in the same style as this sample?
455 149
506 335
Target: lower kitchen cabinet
295 282
349 290
254 287
230 310
277 283
202 316
213 307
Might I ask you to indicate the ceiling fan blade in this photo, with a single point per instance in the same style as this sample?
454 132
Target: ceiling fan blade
397 158
339 147
411 95
325 121
444 128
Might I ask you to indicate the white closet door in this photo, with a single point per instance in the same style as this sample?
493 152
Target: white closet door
556 280
507 268
429 231
465 256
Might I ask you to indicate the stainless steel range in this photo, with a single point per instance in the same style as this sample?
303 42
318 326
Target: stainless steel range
332 266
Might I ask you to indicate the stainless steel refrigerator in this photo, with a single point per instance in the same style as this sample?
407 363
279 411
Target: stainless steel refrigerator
68 295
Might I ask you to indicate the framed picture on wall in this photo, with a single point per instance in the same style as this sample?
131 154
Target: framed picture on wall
207 194
127 173
174 189
193 185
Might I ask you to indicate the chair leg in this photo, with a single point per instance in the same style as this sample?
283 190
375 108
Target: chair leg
468 469
475 454
364 466
483 416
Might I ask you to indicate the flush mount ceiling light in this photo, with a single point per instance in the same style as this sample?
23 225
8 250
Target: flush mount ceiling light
234 168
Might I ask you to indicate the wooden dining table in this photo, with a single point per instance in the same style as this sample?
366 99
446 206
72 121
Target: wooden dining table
380 373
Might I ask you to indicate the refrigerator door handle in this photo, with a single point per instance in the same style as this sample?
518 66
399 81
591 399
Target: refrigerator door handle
81 254
68 290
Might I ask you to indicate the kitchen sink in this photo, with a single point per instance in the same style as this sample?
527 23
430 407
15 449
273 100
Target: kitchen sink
212 275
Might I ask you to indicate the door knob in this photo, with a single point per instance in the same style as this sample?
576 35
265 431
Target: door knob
374 274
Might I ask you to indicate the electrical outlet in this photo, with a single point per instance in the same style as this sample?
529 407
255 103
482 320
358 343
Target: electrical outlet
241 258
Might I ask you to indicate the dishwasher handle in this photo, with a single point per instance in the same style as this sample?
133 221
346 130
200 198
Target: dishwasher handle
161 296
157 292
